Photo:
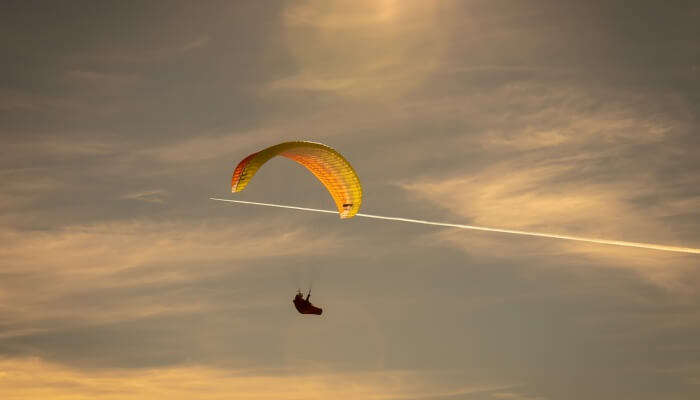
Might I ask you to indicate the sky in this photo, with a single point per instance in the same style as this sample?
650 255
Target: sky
119 279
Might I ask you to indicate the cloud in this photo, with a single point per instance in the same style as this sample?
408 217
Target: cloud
149 196
102 81
561 164
17 188
551 199
19 101
65 267
515 396
207 147
34 378
366 48
196 43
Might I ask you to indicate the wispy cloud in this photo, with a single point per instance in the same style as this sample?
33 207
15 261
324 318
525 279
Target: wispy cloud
196 43
566 166
123 255
342 62
515 396
157 196
549 199
35 378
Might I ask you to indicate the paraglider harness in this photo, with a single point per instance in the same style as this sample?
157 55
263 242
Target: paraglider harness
304 306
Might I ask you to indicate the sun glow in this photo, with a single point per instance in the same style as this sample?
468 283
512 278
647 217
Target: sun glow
362 48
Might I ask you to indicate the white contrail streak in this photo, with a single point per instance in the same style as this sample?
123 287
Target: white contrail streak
482 228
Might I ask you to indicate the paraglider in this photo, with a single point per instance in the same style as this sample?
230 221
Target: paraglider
329 166
304 306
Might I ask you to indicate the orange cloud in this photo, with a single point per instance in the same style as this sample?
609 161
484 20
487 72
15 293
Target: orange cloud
33 378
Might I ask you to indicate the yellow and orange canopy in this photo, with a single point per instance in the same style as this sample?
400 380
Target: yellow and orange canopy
329 166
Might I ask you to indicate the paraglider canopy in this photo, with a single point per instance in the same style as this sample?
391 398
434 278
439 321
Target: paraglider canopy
329 166
304 306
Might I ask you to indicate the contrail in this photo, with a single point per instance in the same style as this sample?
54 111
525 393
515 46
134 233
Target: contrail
482 228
